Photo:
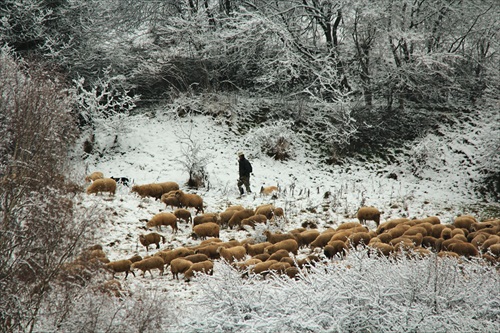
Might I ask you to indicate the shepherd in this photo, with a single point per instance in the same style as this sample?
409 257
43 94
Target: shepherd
245 169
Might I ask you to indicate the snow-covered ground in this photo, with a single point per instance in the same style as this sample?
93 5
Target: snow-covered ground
152 148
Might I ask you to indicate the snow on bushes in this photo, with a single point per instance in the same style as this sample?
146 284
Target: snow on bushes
361 293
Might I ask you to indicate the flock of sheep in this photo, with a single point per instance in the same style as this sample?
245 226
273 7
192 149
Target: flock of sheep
465 237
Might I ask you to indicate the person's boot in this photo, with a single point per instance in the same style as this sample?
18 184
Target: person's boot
241 191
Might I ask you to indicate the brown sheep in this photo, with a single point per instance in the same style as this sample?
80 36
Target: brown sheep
253 250
169 199
225 216
262 267
252 220
206 267
437 229
305 238
231 254
358 238
235 207
235 220
206 217
368 213
168 187
197 257
161 219
146 265
190 200
102 185
383 248
268 190
322 239
278 255
179 265
148 190
279 267
431 219
446 233
170 255
135 258
492 240
202 231
390 224
277 237
183 214
278 212
94 176
385 237
465 222
151 238
242 266
464 249
267 210
494 249
398 231
262 256
348 225
333 248
120 266
416 230
209 250
288 244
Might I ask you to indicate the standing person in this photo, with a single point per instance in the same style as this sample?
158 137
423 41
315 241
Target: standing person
245 169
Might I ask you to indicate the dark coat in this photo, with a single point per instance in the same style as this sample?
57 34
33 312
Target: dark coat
245 167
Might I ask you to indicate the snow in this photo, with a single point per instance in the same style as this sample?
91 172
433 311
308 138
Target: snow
151 148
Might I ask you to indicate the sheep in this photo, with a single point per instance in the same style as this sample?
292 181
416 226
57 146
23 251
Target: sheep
416 230
383 248
102 185
492 240
390 224
267 210
94 176
333 248
348 225
494 249
278 267
277 237
169 187
368 213
170 255
446 233
385 237
197 257
148 190
288 244
465 222
209 250
262 267
190 200
292 272
206 217
206 267
151 238
202 231
463 249
431 219
235 207
358 238
268 190
169 199
225 216
161 219
398 231
278 212
231 254
183 214
236 219
306 237
120 266
241 266
179 265
135 258
252 220
253 250
262 256
278 255
146 265
437 229
322 239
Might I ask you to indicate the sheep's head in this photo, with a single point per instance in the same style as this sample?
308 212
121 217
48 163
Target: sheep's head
194 235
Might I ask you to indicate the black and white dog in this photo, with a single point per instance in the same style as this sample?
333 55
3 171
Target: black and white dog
121 180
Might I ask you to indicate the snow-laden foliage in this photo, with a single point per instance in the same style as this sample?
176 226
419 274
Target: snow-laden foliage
98 309
275 139
362 293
